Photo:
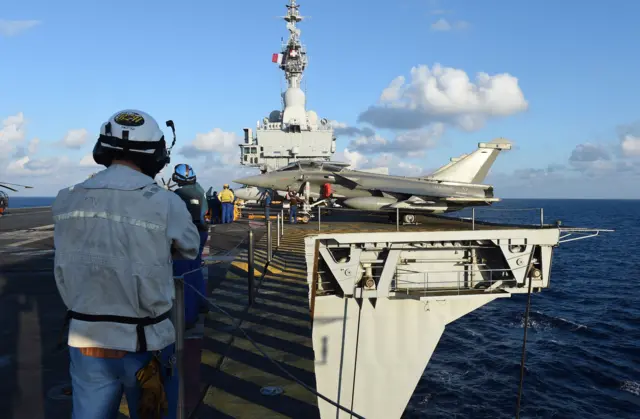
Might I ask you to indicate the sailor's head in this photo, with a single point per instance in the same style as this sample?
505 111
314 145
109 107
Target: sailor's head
132 138
215 193
183 174
225 186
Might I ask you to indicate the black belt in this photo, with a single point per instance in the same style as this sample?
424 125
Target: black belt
140 323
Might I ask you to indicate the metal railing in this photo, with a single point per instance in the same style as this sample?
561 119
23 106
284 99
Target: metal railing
474 218
467 278
179 325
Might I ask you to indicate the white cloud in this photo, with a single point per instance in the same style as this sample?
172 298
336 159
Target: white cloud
630 145
12 134
443 25
32 148
87 161
446 95
15 27
343 129
397 166
406 144
75 138
27 166
214 141
355 159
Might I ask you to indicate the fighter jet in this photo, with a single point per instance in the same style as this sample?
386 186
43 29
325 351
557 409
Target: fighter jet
253 193
452 187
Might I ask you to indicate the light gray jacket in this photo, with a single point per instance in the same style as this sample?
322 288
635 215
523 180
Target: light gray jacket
113 237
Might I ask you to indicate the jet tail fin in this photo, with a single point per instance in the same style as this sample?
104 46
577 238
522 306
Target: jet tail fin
474 167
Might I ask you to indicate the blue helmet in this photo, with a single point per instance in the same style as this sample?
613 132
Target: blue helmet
183 174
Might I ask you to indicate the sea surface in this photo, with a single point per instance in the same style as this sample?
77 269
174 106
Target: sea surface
16 201
583 346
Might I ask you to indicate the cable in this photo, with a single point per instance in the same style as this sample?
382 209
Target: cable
524 344
280 367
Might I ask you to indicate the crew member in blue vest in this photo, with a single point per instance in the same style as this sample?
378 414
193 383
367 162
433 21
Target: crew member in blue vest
267 205
195 199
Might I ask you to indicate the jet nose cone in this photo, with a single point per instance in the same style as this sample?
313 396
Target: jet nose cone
252 181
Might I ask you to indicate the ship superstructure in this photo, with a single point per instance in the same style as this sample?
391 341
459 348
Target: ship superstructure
292 133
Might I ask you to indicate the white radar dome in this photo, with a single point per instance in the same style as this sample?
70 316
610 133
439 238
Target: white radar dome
294 97
312 117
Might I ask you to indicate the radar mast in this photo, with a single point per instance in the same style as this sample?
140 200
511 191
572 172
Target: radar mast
292 133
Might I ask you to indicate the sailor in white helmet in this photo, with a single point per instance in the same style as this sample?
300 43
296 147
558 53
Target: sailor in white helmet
115 235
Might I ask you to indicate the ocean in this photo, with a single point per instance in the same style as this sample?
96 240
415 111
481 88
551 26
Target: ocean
583 346
583 343
16 201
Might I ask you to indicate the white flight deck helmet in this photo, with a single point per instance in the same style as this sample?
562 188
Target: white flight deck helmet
133 135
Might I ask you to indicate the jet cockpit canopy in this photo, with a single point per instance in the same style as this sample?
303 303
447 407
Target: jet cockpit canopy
333 166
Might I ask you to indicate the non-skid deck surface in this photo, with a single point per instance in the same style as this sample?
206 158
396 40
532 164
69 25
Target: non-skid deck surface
278 321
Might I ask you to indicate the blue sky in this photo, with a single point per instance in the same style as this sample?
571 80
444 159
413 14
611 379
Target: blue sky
68 65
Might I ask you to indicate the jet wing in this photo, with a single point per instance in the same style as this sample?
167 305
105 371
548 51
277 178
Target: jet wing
346 181
462 199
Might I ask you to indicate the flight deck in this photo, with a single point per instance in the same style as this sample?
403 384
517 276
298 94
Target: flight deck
232 378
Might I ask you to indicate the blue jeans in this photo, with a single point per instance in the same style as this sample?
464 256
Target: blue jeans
293 214
227 212
98 384
267 213
195 279
201 286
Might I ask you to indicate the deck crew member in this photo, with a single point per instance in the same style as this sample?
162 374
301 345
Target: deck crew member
114 236
226 198
215 206
293 207
192 194
267 205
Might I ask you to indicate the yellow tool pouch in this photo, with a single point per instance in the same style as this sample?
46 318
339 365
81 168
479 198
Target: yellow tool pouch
153 399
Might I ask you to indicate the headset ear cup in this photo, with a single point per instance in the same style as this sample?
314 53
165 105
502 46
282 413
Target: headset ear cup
100 155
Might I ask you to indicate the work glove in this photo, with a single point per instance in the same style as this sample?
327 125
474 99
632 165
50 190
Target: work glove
153 399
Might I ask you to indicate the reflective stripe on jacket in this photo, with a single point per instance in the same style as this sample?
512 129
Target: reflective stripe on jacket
113 239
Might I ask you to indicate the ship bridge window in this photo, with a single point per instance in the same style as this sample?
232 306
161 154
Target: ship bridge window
254 150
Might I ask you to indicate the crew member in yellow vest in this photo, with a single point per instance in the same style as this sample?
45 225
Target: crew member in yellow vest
226 198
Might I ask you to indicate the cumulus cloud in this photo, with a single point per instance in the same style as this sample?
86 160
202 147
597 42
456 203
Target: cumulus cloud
589 153
343 129
87 161
214 141
26 166
630 145
446 95
591 159
12 134
10 28
75 138
396 165
443 25
406 144
355 159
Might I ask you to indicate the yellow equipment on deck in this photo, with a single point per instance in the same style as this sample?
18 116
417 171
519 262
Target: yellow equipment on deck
237 210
